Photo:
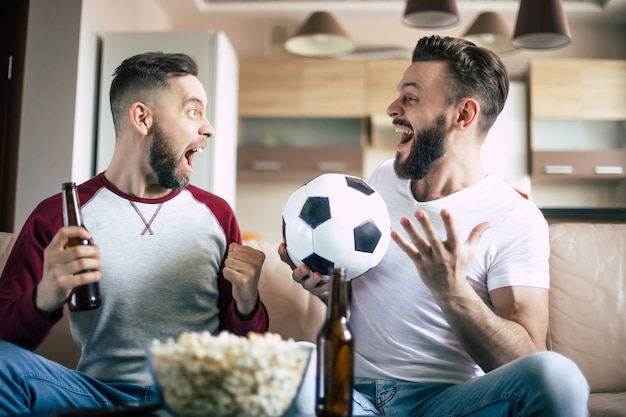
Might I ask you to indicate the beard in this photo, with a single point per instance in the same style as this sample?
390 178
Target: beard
164 163
428 146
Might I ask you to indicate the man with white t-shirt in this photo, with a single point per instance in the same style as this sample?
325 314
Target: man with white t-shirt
453 321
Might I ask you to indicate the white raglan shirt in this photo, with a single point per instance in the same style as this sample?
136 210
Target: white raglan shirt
160 263
399 329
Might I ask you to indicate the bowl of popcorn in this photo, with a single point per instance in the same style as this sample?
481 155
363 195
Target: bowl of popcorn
200 374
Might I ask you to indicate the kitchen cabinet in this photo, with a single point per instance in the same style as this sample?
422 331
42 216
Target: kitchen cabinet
305 147
578 118
382 78
578 89
554 90
333 88
254 161
581 164
301 88
318 87
270 87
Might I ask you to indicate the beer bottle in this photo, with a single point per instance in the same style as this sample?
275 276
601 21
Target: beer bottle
87 296
335 354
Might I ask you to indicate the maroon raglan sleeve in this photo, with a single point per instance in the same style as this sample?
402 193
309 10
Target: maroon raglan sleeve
21 323
229 320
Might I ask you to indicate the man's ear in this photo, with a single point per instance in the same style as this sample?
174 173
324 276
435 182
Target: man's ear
140 117
468 111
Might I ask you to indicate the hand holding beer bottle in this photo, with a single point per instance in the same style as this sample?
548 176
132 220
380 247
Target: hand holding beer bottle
87 296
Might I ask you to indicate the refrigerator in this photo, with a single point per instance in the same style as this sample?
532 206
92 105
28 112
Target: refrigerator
214 169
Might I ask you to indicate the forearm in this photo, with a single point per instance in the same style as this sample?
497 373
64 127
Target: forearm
488 338
231 320
257 321
23 325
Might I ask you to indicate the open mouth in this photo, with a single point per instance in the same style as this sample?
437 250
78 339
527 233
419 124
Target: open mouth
407 134
190 153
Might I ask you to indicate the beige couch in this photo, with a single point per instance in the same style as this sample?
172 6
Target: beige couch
587 313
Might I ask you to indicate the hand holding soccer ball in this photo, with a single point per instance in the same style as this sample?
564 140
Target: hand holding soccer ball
334 221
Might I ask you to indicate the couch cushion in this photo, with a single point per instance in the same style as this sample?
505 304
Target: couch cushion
607 404
587 298
6 243
294 312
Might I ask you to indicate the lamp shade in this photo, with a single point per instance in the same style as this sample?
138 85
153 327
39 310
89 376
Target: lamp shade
320 36
430 13
490 31
541 24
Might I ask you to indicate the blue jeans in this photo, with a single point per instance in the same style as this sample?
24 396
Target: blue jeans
29 382
540 384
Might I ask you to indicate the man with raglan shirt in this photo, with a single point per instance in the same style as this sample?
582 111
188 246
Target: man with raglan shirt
167 255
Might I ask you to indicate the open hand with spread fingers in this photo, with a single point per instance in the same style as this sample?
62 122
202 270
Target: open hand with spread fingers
442 264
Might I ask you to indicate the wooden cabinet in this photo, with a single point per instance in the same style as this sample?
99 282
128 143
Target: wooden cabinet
603 90
333 88
256 160
578 89
307 146
578 118
270 87
301 88
318 87
581 164
382 78
555 90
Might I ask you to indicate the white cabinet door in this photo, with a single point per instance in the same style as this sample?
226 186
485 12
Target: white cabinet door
505 151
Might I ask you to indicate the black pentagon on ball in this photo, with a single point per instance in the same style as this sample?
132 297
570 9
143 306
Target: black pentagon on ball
318 263
359 185
315 211
366 236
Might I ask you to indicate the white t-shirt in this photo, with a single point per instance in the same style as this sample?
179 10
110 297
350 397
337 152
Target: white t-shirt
399 329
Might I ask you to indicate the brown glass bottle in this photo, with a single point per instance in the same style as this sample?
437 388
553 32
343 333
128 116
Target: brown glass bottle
84 297
335 354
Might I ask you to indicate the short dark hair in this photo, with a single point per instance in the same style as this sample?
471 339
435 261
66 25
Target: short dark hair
144 73
476 72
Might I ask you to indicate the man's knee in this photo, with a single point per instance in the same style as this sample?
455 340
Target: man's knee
9 351
557 379
13 357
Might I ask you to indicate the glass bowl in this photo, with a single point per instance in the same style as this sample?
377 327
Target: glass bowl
201 374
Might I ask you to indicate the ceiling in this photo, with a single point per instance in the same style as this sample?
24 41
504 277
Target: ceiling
252 25
280 7
207 3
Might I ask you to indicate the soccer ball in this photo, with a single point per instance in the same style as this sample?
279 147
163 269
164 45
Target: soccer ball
336 221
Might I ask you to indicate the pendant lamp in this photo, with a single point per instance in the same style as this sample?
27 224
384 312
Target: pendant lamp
491 31
541 24
320 36
430 13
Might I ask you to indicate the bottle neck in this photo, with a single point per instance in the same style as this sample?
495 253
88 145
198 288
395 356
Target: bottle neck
338 304
71 207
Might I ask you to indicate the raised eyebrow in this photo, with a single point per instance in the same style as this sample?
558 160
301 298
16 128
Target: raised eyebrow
410 85
195 100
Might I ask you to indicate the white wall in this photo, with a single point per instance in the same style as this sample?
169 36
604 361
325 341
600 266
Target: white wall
49 96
